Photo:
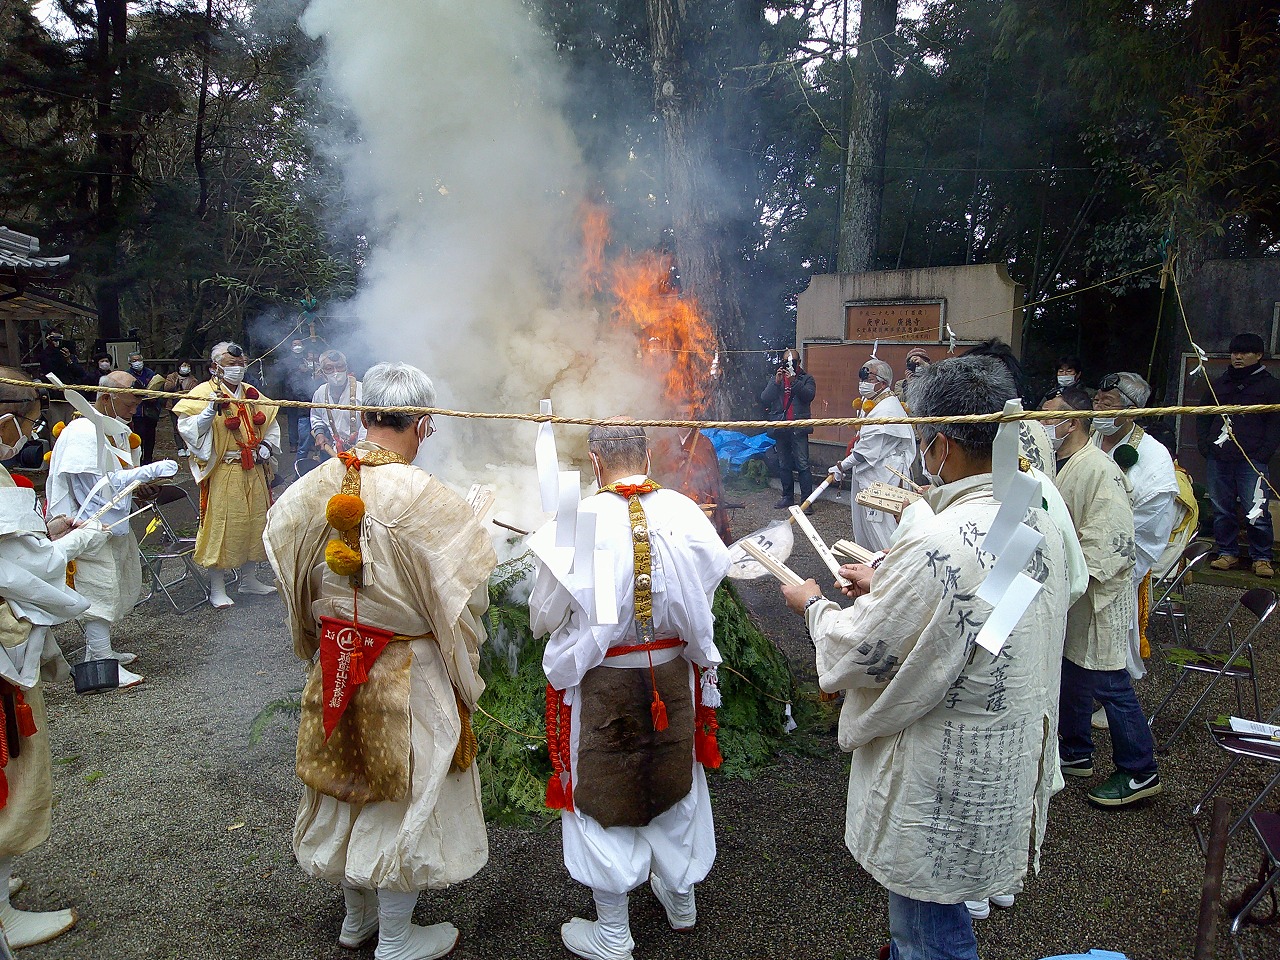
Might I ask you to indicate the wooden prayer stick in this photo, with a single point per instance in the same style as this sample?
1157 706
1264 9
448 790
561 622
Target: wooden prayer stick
127 491
507 526
128 518
847 548
776 567
902 476
820 545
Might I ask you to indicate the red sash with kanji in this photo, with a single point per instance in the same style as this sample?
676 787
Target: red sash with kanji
347 651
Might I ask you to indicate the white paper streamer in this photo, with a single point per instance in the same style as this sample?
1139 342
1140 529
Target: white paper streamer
1259 502
545 458
791 724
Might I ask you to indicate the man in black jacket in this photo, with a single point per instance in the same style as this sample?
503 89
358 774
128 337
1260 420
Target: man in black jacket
1238 455
787 397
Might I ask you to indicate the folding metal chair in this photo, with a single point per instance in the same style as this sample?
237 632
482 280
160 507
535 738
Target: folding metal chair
1241 746
1235 661
171 545
1266 828
1172 589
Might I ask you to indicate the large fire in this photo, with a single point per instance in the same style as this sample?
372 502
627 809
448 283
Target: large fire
674 341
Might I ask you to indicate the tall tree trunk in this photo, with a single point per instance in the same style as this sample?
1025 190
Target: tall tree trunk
868 136
197 150
114 159
681 98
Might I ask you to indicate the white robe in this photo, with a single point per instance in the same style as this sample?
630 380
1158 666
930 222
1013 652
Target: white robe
953 749
108 575
877 453
689 561
426 569
339 423
34 596
1153 494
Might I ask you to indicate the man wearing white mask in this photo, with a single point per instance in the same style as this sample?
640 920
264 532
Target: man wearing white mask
882 453
147 415
231 430
181 380
94 461
336 431
1153 483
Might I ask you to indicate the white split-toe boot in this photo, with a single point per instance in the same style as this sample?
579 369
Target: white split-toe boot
361 921
97 646
24 928
399 938
608 937
218 598
250 585
682 910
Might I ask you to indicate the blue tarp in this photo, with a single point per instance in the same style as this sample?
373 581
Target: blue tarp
1091 955
735 448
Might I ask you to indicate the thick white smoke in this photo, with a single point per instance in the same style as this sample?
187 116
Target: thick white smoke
469 180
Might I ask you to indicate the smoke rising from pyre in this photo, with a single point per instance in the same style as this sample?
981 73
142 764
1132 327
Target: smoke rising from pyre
484 267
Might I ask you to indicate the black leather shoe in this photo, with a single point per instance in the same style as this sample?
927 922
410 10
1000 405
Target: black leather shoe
784 503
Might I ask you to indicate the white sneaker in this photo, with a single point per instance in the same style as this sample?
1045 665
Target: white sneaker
1003 901
978 909
1099 719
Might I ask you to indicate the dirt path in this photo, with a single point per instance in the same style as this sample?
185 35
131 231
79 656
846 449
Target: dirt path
171 834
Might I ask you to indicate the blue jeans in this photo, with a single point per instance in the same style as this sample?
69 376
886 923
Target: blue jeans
793 458
1229 484
1132 747
930 931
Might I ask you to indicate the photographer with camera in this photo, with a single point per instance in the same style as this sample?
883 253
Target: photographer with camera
787 397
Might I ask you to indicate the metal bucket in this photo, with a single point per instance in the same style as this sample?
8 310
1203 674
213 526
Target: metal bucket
94 676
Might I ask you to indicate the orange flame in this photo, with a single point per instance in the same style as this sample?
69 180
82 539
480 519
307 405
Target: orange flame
675 342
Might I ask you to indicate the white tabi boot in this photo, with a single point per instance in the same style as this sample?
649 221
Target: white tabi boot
24 928
97 646
608 937
399 938
218 598
682 911
249 583
361 921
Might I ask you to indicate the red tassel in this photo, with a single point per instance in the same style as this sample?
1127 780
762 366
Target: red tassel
659 711
568 795
555 793
4 790
706 745
355 669
26 719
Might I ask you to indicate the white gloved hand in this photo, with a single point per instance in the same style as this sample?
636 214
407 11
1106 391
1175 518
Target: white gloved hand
147 473
204 419
836 475
262 454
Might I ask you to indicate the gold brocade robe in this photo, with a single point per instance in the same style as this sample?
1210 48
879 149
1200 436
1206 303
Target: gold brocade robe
233 501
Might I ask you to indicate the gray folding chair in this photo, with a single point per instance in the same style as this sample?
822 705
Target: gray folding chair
1266 829
1217 660
1240 746
170 545
1171 589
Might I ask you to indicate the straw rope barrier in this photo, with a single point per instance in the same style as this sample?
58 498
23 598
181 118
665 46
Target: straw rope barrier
1136 412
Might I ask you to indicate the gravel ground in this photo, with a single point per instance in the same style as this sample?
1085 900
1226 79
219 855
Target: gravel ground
172 834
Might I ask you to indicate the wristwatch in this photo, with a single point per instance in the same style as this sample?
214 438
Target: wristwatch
809 603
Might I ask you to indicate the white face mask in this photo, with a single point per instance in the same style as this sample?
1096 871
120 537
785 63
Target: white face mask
868 388
6 450
1054 440
104 366
297 348
184 371
336 380
135 364
1065 381
232 375
934 478
1106 426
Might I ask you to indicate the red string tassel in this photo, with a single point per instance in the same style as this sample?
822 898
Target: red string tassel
355 668
22 710
559 790
659 711
706 746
